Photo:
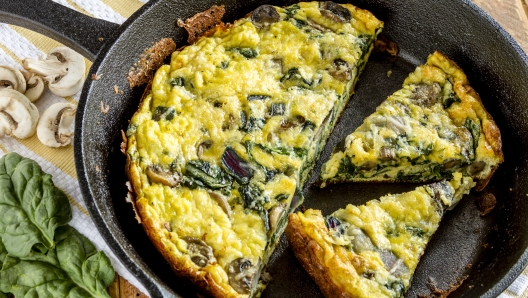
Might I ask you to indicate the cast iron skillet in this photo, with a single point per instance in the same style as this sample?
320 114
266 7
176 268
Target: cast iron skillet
488 252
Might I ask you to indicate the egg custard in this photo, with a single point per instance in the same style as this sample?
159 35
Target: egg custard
372 250
230 130
434 125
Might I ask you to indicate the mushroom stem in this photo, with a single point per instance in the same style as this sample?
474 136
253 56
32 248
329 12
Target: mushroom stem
63 69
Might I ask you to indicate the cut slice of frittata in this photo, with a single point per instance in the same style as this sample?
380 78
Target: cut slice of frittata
372 250
435 125
230 130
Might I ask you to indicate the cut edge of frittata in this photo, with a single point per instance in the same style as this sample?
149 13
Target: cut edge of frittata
193 256
435 125
372 250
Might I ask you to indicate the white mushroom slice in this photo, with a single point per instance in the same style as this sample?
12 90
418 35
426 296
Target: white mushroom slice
53 128
35 88
63 69
12 78
18 116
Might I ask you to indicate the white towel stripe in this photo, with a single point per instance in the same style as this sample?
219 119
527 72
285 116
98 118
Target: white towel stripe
18 44
100 10
519 285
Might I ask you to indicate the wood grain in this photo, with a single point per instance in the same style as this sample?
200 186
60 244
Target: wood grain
511 14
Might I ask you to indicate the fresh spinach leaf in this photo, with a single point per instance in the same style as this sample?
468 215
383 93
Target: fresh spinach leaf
74 268
31 205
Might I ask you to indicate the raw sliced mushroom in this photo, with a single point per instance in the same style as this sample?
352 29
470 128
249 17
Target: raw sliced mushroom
200 253
264 15
12 78
241 273
34 87
158 175
335 12
63 69
18 116
53 128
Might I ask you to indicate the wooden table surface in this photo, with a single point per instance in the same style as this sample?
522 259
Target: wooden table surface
511 14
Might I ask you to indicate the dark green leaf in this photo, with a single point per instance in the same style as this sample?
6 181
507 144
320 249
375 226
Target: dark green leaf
31 206
294 77
177 81
258 97
210 175
79 258
73 269
277 109
474 128
291 10
246 52
253 197
165 113
224 64
253 124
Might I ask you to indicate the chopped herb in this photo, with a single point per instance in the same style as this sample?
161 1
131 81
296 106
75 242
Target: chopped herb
308 125
291 10
165 113
419 232
253 197
282 197
179 81
296 78
258 97
224 64
253 124
277 109
246 52
474 128
132 128
299 23
346 167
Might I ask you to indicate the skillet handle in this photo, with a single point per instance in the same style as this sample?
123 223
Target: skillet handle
82 33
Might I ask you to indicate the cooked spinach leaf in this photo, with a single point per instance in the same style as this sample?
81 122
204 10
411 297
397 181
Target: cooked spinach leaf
31 205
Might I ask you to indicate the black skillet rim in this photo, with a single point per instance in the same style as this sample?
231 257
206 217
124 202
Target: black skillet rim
152 283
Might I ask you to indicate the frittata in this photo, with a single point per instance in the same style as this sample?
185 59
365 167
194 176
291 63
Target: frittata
372 250
230 130
434 125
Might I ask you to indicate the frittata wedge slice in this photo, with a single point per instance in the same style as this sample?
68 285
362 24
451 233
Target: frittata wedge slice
230 130
372 250
435 125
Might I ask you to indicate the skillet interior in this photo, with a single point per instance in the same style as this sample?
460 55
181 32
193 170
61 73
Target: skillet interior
491 251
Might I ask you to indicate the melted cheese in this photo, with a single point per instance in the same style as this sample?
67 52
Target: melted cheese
264 96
